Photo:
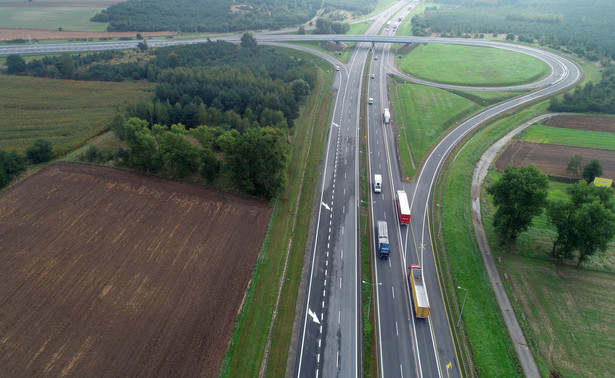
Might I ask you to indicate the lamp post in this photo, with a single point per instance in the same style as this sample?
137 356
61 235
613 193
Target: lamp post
464 303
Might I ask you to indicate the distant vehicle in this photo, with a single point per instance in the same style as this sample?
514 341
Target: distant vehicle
387 115
383 240
419 292
377 183
403 208
337 68
373 76
370 101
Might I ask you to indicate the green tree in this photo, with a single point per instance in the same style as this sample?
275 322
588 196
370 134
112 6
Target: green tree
11 165
210 165
142 145
180 157
592 170
15 64
248 41
585 222
520 194
257 161
574 166
40 152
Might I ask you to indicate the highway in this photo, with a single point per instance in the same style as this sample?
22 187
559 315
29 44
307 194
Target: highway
329 344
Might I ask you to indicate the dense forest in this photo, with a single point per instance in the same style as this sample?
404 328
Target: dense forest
598 98
219 16
580 27
583 27
238 101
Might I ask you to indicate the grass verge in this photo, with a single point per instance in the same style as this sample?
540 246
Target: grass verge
491 348
250 335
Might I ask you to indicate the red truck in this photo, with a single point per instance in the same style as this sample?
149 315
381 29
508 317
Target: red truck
403 208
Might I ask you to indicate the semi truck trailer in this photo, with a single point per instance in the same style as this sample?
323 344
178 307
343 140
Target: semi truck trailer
403 208
419 292
383 240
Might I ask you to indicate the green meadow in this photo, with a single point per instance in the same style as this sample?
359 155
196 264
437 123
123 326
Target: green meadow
473 66
64 112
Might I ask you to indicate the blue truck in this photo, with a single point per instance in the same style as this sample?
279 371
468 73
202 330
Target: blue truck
383 240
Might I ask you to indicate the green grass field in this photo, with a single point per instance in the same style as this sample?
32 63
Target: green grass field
66 113
568 315
569 137
485 331
427 113
476 66
71 15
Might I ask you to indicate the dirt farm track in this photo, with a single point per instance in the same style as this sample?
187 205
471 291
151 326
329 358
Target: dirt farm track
110 273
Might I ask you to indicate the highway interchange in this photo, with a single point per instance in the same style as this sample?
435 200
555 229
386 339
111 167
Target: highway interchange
329 344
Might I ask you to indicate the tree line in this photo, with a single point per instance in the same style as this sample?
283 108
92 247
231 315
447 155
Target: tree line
206 15
584 221
599 98
582 28
13 163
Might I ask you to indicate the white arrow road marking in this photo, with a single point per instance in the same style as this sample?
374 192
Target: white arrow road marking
326 206
313 315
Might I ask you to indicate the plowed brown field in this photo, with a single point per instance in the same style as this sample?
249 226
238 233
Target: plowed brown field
105 272
552 159
594 123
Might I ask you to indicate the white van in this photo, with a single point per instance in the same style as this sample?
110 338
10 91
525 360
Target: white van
377 183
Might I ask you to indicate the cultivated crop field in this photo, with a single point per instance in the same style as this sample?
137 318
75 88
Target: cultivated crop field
551 147
105 270
67 113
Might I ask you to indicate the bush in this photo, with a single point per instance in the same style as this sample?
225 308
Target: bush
40 152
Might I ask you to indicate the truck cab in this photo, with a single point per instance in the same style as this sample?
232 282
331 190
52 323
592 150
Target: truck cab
377 183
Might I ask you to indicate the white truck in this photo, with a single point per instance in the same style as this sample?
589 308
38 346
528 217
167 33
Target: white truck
377 183
387 115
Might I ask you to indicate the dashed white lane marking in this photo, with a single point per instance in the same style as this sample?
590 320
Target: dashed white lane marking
396 329
318 357
342 230
340 282
337 359
324 293
342 254
321 329
325 272
393 291
339 316
316 373
325 282
323 306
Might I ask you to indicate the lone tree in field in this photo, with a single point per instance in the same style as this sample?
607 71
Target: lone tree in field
520 194
592 170
40 152
585 222
574 166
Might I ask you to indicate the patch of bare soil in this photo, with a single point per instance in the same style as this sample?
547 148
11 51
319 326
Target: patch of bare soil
553 159
7 34
110 273
581 122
